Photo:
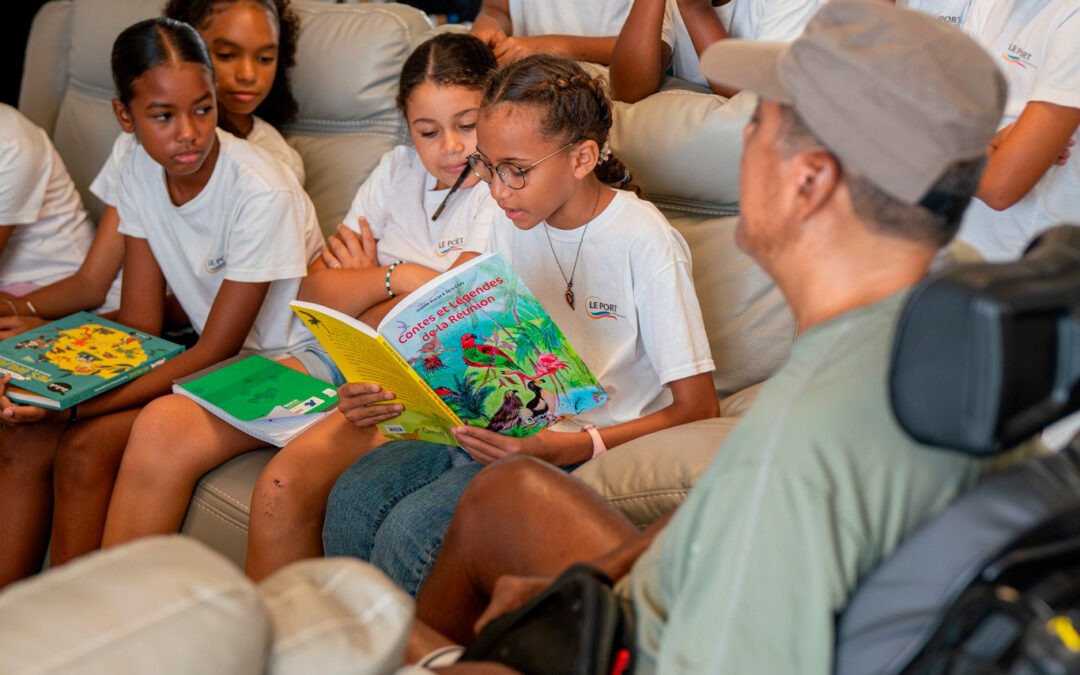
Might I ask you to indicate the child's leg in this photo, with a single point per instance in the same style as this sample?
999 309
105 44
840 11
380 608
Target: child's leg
289 502
26 490
87 459
372 487
173 444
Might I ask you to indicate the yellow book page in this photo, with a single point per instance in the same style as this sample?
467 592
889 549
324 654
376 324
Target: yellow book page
364 356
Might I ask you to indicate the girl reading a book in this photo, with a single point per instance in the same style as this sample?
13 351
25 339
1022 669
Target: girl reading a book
252 44
423 206
221 224
609 269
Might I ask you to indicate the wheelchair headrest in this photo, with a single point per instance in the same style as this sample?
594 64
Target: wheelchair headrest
986 354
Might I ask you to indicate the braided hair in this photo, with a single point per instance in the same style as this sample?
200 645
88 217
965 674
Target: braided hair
576 106
280 105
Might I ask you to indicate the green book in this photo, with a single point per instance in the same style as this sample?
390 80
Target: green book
70 360
262 398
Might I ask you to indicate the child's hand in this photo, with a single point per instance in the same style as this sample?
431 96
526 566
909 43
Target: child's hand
1065 153
514 49
557 448
13 325
487 31
12 414
364 404
350 250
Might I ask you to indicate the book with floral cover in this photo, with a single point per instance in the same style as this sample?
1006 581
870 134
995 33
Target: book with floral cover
472 346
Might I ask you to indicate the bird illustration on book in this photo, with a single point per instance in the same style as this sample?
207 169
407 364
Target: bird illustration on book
508 415
541 403
486 356
313 321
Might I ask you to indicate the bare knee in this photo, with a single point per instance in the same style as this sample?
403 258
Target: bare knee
518 478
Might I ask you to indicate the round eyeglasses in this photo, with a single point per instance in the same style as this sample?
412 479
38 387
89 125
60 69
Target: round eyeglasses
512 175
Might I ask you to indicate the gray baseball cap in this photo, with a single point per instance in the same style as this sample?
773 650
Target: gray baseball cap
895 94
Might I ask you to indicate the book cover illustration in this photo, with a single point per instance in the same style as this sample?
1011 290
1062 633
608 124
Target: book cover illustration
72 359
365 356
261 397
482 341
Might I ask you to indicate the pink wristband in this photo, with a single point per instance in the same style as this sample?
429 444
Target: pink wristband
597 442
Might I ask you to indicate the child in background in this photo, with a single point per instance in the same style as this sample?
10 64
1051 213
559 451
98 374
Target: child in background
252 44
44 229
662 33
542 146
1029 184
175 441
222 224
584 31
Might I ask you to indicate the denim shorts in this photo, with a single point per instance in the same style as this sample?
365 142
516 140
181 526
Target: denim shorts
319 364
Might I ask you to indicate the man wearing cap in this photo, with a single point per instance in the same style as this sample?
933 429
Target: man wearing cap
865 148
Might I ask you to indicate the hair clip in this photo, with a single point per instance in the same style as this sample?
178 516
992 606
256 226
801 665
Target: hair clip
605 153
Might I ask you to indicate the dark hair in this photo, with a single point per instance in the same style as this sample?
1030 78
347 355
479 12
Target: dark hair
280 105
576 105
150 43
954 189
447 59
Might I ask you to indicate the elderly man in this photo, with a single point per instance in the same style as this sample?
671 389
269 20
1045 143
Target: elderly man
864 150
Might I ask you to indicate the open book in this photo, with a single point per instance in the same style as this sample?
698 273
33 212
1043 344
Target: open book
472 346
262 398
70 360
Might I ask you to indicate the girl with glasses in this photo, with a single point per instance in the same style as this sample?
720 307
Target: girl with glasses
421 205
608 268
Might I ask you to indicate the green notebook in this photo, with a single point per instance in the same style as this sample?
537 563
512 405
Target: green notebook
262 398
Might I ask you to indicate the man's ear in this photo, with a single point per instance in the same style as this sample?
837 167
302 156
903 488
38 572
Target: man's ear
584 157
818 175
123 116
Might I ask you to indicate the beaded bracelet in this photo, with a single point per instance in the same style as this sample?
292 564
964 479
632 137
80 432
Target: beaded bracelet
389 271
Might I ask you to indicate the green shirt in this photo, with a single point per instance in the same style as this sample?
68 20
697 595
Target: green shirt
814 487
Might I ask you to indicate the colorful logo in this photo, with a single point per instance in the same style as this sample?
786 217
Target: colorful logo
215 264
596 308
1013 58
445 248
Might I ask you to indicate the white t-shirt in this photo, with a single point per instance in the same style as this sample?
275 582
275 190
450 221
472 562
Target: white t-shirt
52 231
594 18
398 199
1035 42
637 322
953 12
250 223
765 20
264 135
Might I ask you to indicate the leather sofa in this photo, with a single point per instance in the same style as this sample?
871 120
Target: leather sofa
683 147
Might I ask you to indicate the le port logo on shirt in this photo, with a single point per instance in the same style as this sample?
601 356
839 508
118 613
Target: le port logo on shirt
215 264
1018 56
448 246
596 308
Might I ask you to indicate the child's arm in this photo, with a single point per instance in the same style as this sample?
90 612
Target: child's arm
640 56
704 28
579 48
354 291
693 399
1021 153
86 289
492 23
232 314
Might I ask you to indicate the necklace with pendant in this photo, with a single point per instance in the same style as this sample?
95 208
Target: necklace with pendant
569 294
